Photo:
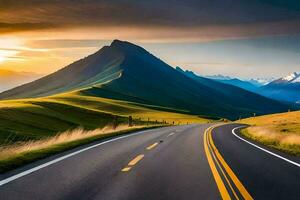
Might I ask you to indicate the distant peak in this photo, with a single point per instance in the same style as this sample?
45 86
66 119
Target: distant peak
291 76
118 43
179 69
127 47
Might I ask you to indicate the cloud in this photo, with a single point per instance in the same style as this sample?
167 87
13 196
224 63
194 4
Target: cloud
194 19
19 27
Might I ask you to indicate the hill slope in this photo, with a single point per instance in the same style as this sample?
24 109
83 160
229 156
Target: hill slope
125 71
31 119
280 131
241 84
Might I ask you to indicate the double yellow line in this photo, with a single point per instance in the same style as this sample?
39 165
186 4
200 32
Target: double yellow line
220 169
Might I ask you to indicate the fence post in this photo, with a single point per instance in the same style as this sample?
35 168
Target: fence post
115 121
130 121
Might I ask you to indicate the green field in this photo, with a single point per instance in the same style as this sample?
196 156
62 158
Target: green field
280 131
38 118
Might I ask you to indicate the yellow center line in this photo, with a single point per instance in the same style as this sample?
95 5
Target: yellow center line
136 160
216 160
222 189
229 171
126 169
152 146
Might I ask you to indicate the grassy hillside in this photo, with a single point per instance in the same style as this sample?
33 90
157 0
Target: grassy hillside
31 119
281 131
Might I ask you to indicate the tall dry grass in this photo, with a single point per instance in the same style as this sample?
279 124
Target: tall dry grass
10 151
266 134
280 131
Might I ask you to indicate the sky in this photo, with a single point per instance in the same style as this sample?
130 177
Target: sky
240 38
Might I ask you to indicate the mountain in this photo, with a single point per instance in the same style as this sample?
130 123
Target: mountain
260 81
241 84
128 72
218 77
10 79
250 85
284 89
254 81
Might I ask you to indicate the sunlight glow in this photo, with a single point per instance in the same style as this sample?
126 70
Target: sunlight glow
7 54
2 58
8 48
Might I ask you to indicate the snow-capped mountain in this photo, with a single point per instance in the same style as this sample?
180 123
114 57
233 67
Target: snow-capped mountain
290 78
286 88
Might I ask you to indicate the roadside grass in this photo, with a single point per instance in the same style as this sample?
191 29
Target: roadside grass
40 118
22 153
280 131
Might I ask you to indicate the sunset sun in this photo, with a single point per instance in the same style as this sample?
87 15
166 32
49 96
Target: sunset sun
2 58
8 48
7 55
3 55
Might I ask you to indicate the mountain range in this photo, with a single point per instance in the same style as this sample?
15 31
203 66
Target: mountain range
254 81
128 72
241 84
286 89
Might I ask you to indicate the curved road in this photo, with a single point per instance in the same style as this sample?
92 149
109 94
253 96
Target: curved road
183 162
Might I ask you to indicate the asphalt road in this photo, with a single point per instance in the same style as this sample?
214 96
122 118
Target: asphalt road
183 162
265 176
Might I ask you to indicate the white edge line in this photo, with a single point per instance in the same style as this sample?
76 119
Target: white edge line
29 171
273 154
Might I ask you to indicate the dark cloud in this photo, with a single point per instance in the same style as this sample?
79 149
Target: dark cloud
20 15
25 26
